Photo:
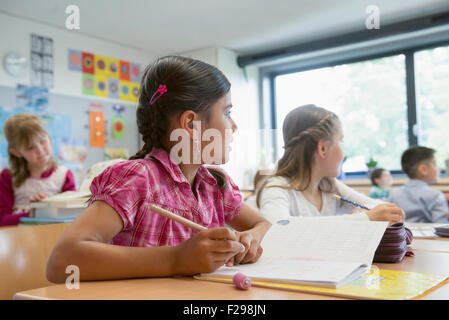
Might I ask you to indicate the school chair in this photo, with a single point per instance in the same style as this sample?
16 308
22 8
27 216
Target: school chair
24 251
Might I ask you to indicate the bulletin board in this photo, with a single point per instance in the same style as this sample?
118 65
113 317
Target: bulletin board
71 119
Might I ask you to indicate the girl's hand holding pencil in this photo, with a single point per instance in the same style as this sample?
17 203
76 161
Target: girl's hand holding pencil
207 250
382 212
386 212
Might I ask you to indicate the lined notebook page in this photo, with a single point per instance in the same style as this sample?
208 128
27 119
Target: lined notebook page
324 239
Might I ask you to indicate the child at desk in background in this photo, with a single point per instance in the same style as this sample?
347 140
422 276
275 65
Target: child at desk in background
305 183
415 197
381 180
118 236
34 173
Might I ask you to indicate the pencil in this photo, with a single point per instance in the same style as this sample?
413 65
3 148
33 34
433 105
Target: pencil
177 218
351 202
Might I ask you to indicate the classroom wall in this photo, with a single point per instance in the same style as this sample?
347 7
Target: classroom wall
15 37
66 97
245 156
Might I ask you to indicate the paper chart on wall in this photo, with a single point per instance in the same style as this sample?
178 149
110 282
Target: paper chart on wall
96 126
103 76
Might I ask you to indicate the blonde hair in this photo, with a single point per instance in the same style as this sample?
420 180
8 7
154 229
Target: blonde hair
302 129
19 130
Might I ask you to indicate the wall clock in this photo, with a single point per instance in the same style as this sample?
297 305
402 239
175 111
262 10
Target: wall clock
15 64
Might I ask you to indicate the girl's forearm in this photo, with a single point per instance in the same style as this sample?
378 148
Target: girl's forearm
101 261
260 229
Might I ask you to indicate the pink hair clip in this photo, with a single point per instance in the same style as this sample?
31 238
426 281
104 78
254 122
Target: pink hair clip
161 90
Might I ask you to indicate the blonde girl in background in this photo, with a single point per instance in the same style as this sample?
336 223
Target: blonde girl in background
33 174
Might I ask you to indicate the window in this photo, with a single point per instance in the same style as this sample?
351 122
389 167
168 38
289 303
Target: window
432 99
370 99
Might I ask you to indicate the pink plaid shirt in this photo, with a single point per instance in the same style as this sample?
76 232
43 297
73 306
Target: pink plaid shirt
130 187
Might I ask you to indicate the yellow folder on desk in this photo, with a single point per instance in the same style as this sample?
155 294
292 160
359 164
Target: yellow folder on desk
377 284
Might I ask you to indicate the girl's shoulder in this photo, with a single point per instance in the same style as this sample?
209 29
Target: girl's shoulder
123 175
277 181
128 167
5 173
5 176
341 187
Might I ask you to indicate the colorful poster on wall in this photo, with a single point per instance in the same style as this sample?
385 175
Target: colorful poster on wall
124 71
102 76
113 68
113 88
88 63
101 86
125 90
101 67
32 97
134 87
118 128
135 72
96 125
88 84
72 150
74 60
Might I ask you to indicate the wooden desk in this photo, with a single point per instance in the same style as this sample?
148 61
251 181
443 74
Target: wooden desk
433 245
24 251
187 288
180 288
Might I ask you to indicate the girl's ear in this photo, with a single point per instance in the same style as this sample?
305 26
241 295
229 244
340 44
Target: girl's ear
322 148
187 121
14 152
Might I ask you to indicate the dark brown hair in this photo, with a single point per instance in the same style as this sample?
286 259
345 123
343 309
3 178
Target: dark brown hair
191 85
19 130
376 174
413 157
302 129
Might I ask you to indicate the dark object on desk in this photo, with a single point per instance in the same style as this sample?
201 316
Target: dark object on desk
442 231
442 234
393 246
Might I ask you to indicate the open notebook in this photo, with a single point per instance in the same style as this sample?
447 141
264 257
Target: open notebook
326 252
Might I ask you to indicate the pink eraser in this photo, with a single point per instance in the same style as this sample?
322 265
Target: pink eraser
241 281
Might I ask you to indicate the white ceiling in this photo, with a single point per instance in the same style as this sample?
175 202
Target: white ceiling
246 26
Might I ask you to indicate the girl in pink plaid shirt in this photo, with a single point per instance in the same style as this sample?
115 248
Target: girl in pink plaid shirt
183 103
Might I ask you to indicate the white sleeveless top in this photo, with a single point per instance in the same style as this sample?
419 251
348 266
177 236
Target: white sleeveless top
50 185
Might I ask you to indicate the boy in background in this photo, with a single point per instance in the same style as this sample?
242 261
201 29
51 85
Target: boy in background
419 202
382 181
